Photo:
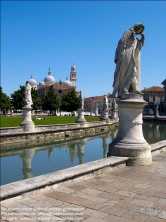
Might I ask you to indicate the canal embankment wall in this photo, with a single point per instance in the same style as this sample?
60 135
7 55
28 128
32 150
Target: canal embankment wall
57 132
32 186
157 119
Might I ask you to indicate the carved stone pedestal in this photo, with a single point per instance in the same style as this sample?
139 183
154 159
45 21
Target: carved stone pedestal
27 123
130 141
81 118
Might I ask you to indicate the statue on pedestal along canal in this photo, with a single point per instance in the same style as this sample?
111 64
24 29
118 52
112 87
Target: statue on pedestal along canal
80 118
27 95
129 141
127 59
27 123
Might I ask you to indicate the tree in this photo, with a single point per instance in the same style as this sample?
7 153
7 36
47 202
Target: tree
51 101
4 101
17 98
70 102
36 102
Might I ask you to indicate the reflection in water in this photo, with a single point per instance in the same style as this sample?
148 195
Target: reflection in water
154 132
49 158
72 149
80 150
27 156
105 144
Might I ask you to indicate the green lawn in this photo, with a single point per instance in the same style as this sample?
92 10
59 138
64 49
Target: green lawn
16 120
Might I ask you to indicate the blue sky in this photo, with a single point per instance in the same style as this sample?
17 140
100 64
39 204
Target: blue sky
36 35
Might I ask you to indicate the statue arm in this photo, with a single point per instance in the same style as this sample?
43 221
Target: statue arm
142 40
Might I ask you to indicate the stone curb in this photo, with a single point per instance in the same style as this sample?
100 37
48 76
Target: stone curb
40 182
158 147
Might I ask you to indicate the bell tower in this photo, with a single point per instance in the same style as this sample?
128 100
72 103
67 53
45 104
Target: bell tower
73 75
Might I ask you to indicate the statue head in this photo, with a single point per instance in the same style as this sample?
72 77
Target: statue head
138 28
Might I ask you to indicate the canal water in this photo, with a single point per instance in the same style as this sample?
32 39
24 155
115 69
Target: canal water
25 161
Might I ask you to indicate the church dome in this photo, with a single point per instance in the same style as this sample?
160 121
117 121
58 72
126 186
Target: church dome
68 82
41 83
49 79
32 82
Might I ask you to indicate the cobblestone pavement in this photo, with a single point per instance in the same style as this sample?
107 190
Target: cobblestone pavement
124 195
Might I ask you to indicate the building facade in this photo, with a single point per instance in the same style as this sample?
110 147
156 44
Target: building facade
156 96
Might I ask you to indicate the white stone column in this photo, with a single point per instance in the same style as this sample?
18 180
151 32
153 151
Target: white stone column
130 141
27 123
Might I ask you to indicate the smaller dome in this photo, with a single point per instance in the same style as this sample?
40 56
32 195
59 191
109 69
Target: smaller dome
32 82
49 79
41 83
73 68
68 82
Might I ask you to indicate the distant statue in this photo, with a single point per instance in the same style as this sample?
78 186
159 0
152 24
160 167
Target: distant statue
127 59
27 95
114 106
81 101
105 103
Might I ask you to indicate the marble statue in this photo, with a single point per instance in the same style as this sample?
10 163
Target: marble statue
27 95
127 59
114 105
105 103
81 101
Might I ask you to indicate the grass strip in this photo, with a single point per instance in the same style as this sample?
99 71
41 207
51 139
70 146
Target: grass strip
7 121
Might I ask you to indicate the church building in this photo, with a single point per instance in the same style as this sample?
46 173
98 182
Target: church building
59 88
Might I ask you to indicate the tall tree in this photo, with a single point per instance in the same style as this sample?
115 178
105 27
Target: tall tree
36 102
51 101
5 104
70 102
17 98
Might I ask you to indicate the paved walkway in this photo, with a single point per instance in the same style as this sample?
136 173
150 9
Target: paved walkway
124 195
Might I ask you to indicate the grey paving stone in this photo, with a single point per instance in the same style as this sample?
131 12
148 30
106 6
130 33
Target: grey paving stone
140 202
92 219
154 219
134 216
126 193
146 197
162 201
112 218
90 197
95 213
116 211
91 191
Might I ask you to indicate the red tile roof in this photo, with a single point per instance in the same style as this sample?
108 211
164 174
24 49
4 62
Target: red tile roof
154 89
